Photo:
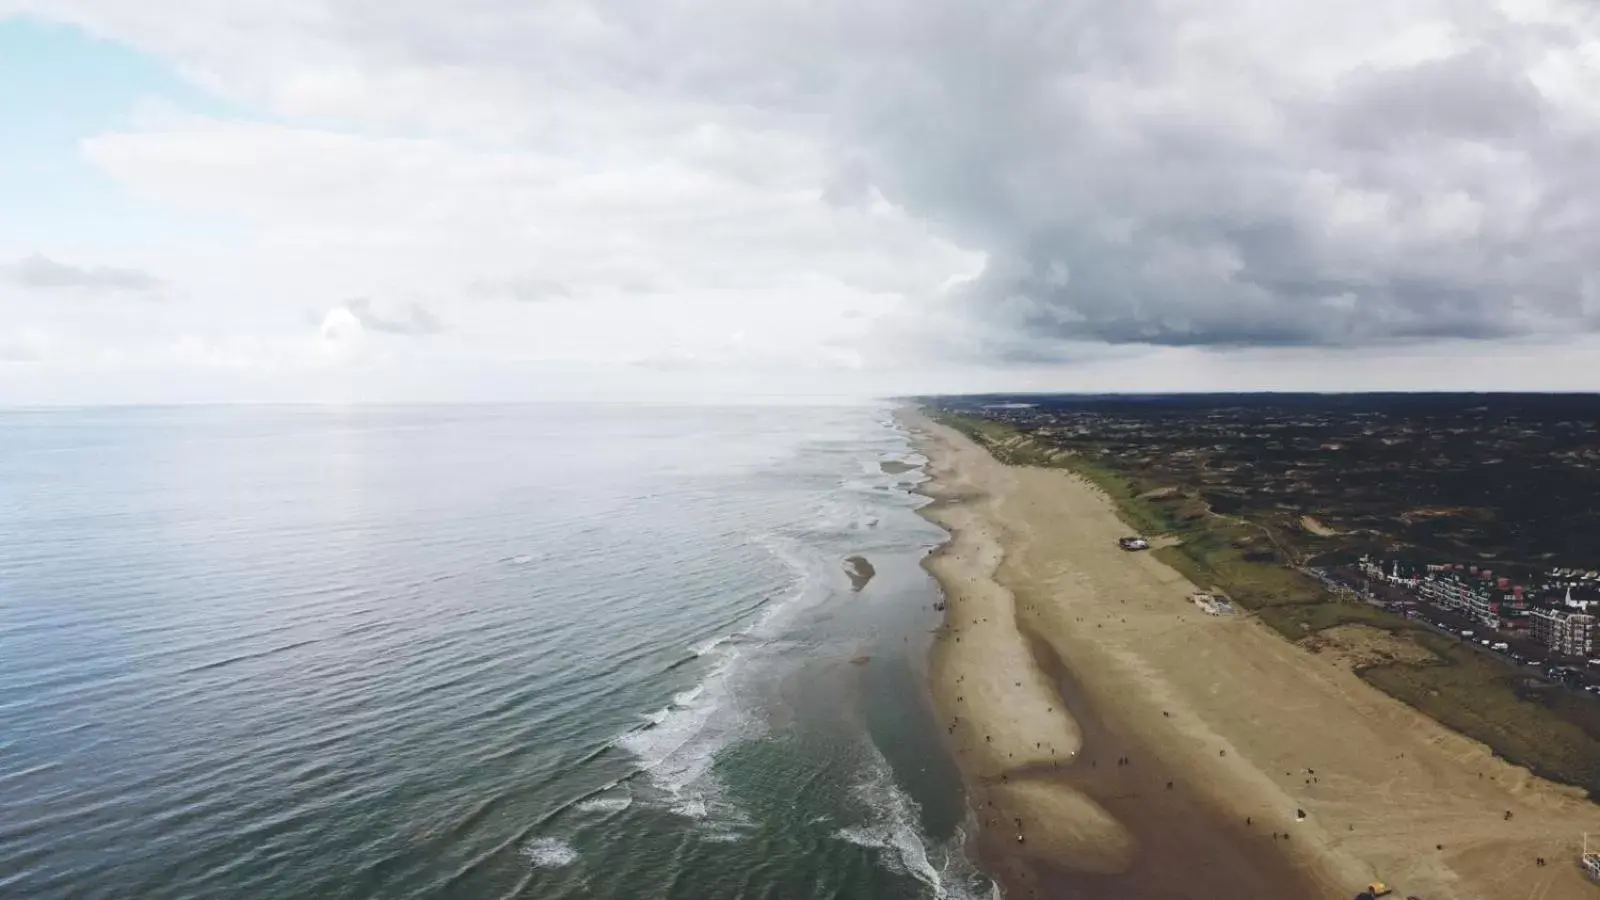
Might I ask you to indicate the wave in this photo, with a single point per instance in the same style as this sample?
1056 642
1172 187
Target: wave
597 798
706 646
550 853
677 746
811 574
608 805
893 828
247 657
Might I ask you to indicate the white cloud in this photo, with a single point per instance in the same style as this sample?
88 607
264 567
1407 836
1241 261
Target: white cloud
863 191
23 345
626 254
38 271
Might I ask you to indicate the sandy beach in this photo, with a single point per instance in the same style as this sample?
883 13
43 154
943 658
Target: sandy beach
1117 740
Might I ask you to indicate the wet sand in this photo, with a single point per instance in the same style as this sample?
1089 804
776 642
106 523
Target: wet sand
1062 654
859 571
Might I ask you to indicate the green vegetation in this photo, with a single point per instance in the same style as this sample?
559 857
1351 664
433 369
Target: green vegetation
1551 731
1224 553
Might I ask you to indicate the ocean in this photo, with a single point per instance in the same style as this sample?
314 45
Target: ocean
424 652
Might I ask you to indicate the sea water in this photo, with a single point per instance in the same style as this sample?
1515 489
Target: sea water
522 651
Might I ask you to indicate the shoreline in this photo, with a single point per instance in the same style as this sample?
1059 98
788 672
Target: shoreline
1061 654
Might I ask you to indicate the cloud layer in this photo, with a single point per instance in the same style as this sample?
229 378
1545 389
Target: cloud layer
889 185
413 319
36 271
1223 173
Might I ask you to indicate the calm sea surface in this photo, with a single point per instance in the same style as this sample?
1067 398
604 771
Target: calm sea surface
399 652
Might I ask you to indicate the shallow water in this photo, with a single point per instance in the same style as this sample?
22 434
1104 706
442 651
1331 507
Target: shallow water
467 651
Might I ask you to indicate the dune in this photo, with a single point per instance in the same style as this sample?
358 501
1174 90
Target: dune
1262 768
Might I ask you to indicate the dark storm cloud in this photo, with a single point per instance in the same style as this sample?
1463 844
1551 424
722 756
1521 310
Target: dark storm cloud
1131 189
38 271
414 319
1225 173
1222 173
1478 95
1405 203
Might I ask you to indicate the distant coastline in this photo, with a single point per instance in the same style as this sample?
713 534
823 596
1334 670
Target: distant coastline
1251 733
1261 563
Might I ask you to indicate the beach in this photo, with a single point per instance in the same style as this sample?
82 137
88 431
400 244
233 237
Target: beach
1117 739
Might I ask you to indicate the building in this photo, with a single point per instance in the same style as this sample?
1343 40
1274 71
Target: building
1452 592
1563 631
1484 605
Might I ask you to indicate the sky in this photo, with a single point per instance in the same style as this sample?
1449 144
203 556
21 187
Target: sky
497 200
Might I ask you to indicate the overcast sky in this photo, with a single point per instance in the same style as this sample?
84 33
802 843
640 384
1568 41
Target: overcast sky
336 200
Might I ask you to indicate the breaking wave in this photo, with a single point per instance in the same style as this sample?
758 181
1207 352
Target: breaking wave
550 853
893 828
607 805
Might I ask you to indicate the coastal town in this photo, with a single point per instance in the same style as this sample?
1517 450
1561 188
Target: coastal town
1546 623
1507 483
1289 741
1464 513
1440 545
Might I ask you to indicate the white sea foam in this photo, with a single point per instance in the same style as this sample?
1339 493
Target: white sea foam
893 829
706 646
679 749
692 804
845 517
550 853
864 486
608 804
811 571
